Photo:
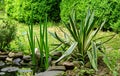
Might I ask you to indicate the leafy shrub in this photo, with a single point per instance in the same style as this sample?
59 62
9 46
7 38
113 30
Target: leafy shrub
7 34
21 10
108 8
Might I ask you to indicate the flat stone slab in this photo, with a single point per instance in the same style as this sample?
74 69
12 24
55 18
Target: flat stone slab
49 73
56 68
10 69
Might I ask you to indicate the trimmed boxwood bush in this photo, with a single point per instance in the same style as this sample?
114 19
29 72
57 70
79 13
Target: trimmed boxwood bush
21 10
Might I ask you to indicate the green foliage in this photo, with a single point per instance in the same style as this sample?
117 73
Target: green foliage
43 46
31 39
108 8
83 34
42 43
116 26
1 4
68 52
20 10
111 59
7 34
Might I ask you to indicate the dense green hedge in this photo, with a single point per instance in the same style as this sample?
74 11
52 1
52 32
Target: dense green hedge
21 10
1 4
110 9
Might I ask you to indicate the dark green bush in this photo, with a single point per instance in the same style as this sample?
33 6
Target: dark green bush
7 34
21 10
109 8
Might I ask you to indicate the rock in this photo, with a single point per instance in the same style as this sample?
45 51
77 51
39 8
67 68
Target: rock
15 55
24 64
10 69
3 57
3 53
2 64
9 59
11 54
49 73
27 58
59 54
17 61
37 53
56 55
25 71
68 65
61 68
53 63
2 73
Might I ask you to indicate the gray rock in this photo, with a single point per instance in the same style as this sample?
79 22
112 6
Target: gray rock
49 73
2 73
17 61
10 69
25 71
2 63
27 58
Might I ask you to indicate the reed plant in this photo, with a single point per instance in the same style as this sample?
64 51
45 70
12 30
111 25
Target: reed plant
43 45
42 41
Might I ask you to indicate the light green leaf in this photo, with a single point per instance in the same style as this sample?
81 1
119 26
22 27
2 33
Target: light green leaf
68 52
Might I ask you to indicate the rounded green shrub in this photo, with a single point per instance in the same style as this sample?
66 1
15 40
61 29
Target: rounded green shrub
22 10
7 34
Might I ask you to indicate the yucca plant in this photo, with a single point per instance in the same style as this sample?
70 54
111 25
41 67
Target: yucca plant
84 35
